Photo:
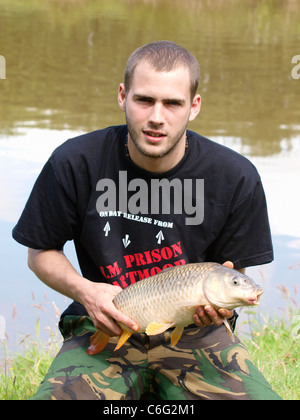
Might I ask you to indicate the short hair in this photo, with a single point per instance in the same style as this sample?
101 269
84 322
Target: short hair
163 56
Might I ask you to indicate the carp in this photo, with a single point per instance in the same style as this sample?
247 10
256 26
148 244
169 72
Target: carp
168 299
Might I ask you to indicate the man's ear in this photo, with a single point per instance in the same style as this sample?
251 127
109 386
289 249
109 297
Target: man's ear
122 96
196 106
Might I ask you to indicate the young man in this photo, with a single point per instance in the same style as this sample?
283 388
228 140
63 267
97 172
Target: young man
130 198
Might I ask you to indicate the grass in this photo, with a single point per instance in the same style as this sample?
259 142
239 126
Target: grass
274 346
22 372
275 350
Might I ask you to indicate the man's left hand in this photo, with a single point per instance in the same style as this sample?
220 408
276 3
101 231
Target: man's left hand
207 315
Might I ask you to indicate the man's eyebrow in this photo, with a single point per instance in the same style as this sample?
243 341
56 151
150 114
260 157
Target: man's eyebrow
138 96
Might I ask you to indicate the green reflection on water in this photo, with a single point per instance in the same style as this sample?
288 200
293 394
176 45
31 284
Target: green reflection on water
65 59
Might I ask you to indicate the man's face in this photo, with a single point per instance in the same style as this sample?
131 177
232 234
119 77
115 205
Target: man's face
158 108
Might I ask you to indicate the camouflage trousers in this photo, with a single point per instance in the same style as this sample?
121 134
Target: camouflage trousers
205 364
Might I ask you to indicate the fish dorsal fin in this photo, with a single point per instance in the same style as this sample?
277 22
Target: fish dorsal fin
98 342
155 328
123 338
176 334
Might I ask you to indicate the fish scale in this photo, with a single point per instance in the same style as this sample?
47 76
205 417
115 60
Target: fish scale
160 298
169 298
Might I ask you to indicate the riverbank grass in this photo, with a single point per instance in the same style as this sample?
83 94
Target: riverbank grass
275 350
21 373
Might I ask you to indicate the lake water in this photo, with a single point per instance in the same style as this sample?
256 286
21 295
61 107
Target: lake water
63 63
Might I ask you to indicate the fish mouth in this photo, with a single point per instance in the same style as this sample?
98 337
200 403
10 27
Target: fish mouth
254 300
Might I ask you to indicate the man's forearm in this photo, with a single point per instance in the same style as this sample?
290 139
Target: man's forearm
54 269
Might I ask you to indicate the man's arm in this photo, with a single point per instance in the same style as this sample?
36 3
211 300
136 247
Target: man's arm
55 270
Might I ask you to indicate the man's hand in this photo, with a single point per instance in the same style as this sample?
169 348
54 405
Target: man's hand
207 315
99 304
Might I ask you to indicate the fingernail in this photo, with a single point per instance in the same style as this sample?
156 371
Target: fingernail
208 309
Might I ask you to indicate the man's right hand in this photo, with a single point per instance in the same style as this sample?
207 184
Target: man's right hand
98 302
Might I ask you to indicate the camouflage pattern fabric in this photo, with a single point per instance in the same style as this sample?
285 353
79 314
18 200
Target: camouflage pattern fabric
205 364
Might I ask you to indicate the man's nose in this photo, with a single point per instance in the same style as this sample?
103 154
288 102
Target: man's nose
157 115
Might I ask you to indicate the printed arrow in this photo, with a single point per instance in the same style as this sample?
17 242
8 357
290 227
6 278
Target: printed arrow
160 237
106 228
126 241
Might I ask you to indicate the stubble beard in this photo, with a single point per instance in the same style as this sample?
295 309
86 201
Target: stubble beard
169 147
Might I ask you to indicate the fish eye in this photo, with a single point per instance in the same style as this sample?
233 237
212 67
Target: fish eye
235 281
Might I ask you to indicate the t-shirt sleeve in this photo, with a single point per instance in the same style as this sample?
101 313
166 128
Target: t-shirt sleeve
49 217
246 238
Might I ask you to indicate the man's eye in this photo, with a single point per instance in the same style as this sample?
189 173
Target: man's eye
173 103
145 100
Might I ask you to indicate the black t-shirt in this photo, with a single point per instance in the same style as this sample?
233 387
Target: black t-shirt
128 224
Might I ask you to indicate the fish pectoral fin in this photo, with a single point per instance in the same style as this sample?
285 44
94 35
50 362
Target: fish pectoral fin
98 342
158 327
123 338
176 334
228 329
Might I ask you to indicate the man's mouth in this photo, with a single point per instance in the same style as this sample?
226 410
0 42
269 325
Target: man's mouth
154 134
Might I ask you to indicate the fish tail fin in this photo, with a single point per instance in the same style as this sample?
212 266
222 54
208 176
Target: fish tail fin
229 330
123 338
176 335
98 342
